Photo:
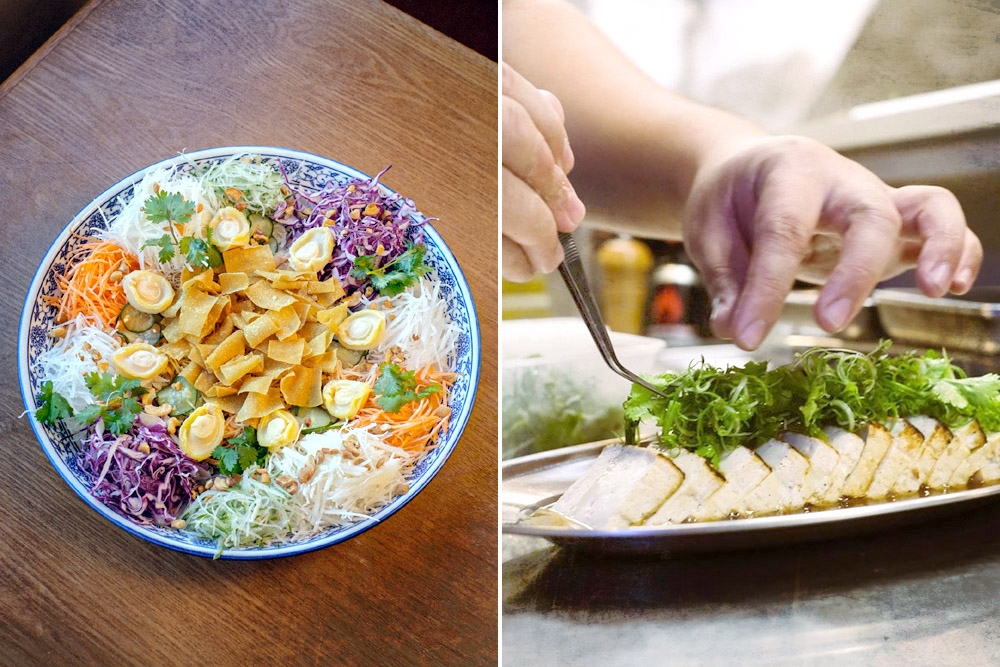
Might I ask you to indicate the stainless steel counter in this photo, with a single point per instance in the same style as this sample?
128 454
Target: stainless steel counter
927 594
924 594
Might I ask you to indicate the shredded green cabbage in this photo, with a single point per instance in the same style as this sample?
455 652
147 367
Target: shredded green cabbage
711 411
260 183
248 513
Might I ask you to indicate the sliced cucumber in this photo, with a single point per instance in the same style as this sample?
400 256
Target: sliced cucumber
151 335
349 357
262 225
310 418
181 394
135 320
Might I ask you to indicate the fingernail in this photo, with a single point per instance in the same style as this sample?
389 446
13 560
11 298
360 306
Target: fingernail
941 276
963 281
839 312
753 334
722 306
574 211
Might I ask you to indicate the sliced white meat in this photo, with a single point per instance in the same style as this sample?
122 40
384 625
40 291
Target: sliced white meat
848 447
743 470
624 485
783 490
823 460
936 438
965 440
701 480
877 440
898 463
983 464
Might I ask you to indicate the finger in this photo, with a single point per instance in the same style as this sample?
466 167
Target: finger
527 156
528 222
871 225
568 159
969 264
718 251
547 117
516 266
787 213
933 215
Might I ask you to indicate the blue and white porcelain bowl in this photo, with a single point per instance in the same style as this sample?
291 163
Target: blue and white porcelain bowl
308 173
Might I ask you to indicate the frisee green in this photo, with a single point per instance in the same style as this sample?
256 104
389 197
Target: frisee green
711 411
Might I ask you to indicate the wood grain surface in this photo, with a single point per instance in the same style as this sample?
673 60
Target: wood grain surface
127 84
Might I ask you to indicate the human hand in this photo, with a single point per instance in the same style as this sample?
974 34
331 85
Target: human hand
784 208
538 199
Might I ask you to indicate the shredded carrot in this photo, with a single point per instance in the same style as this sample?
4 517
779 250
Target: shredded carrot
87 286
417 424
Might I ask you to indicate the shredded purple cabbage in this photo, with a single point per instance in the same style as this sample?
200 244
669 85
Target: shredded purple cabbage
150 488
383 233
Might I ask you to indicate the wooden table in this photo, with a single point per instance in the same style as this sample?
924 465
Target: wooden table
126 84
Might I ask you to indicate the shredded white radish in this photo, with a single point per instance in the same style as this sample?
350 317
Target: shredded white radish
132 229
80 351
420 327
356 473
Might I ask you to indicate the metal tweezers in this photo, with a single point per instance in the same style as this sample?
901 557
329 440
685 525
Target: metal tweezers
572 273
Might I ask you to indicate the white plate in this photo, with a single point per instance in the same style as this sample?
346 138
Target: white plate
530 482
308 173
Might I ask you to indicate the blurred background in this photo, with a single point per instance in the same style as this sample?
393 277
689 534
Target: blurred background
909 88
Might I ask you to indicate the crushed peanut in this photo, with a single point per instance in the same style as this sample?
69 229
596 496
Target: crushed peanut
287 483
308 470
158 410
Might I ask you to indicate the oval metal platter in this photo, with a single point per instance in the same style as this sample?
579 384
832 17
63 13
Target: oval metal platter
532 482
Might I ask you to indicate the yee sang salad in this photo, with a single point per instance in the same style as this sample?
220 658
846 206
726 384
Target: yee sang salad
249 361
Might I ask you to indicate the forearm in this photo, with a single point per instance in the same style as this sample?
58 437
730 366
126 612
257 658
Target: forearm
638 146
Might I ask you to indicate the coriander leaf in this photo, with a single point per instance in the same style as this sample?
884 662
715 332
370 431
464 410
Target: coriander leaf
108 387
101 385
395 276
965 391
396 387
168 206
53 406
247 455
117 405
412 261
119 421
240 452
247 437
950 394
90 414
228 460
166 246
